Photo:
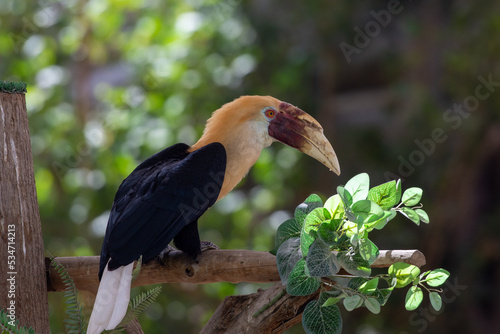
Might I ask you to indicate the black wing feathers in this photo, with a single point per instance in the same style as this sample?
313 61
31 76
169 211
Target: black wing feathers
161 196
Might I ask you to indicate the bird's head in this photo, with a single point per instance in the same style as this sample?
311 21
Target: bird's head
259 120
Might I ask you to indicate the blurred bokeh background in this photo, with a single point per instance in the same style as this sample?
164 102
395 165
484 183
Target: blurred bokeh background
404 89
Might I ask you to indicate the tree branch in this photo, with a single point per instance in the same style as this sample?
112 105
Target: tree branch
214 266
267 311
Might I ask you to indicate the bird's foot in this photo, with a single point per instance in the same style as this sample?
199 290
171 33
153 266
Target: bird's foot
207 245
164 254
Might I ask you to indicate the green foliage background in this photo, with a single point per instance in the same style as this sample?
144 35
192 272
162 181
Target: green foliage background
111 82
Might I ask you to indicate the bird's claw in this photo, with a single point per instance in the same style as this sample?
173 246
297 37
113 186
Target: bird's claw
164 254
207 245
204 246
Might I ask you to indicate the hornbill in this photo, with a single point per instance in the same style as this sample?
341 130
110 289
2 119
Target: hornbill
163 198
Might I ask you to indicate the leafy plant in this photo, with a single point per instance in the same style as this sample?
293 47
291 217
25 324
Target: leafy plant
7 327
312 247
75 322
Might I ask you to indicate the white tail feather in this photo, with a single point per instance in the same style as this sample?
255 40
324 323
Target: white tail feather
112 299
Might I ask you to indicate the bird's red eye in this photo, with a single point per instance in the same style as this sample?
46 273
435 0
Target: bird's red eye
270 113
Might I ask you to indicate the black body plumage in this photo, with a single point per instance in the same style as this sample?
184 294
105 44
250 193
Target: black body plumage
162 200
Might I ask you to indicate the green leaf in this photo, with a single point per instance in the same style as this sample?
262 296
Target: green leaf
436 300
331 301
411 215
312 202
356 282
369 286
345 195
312 223
137 270
358 187
287 257
291 228
75 320
327 232
352 302
336 223
332 293
404 273
391 215
328 298
368 250
398 190
351 216
301 284
354 264
372 305
380 224
139 303
412 196
385 294
366 211
437 277
336 207
413 298
384 195
321 320
321 262
354 239
349 228
422 215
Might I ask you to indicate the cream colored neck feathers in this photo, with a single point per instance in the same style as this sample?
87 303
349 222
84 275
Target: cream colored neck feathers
243 131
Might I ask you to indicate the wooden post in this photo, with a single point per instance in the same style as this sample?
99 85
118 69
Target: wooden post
23 284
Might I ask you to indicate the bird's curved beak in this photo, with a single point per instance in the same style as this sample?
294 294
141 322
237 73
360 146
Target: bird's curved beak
297 129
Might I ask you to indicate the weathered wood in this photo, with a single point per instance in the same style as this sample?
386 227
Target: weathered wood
214 266
267 311
388 257
23 288
134 327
